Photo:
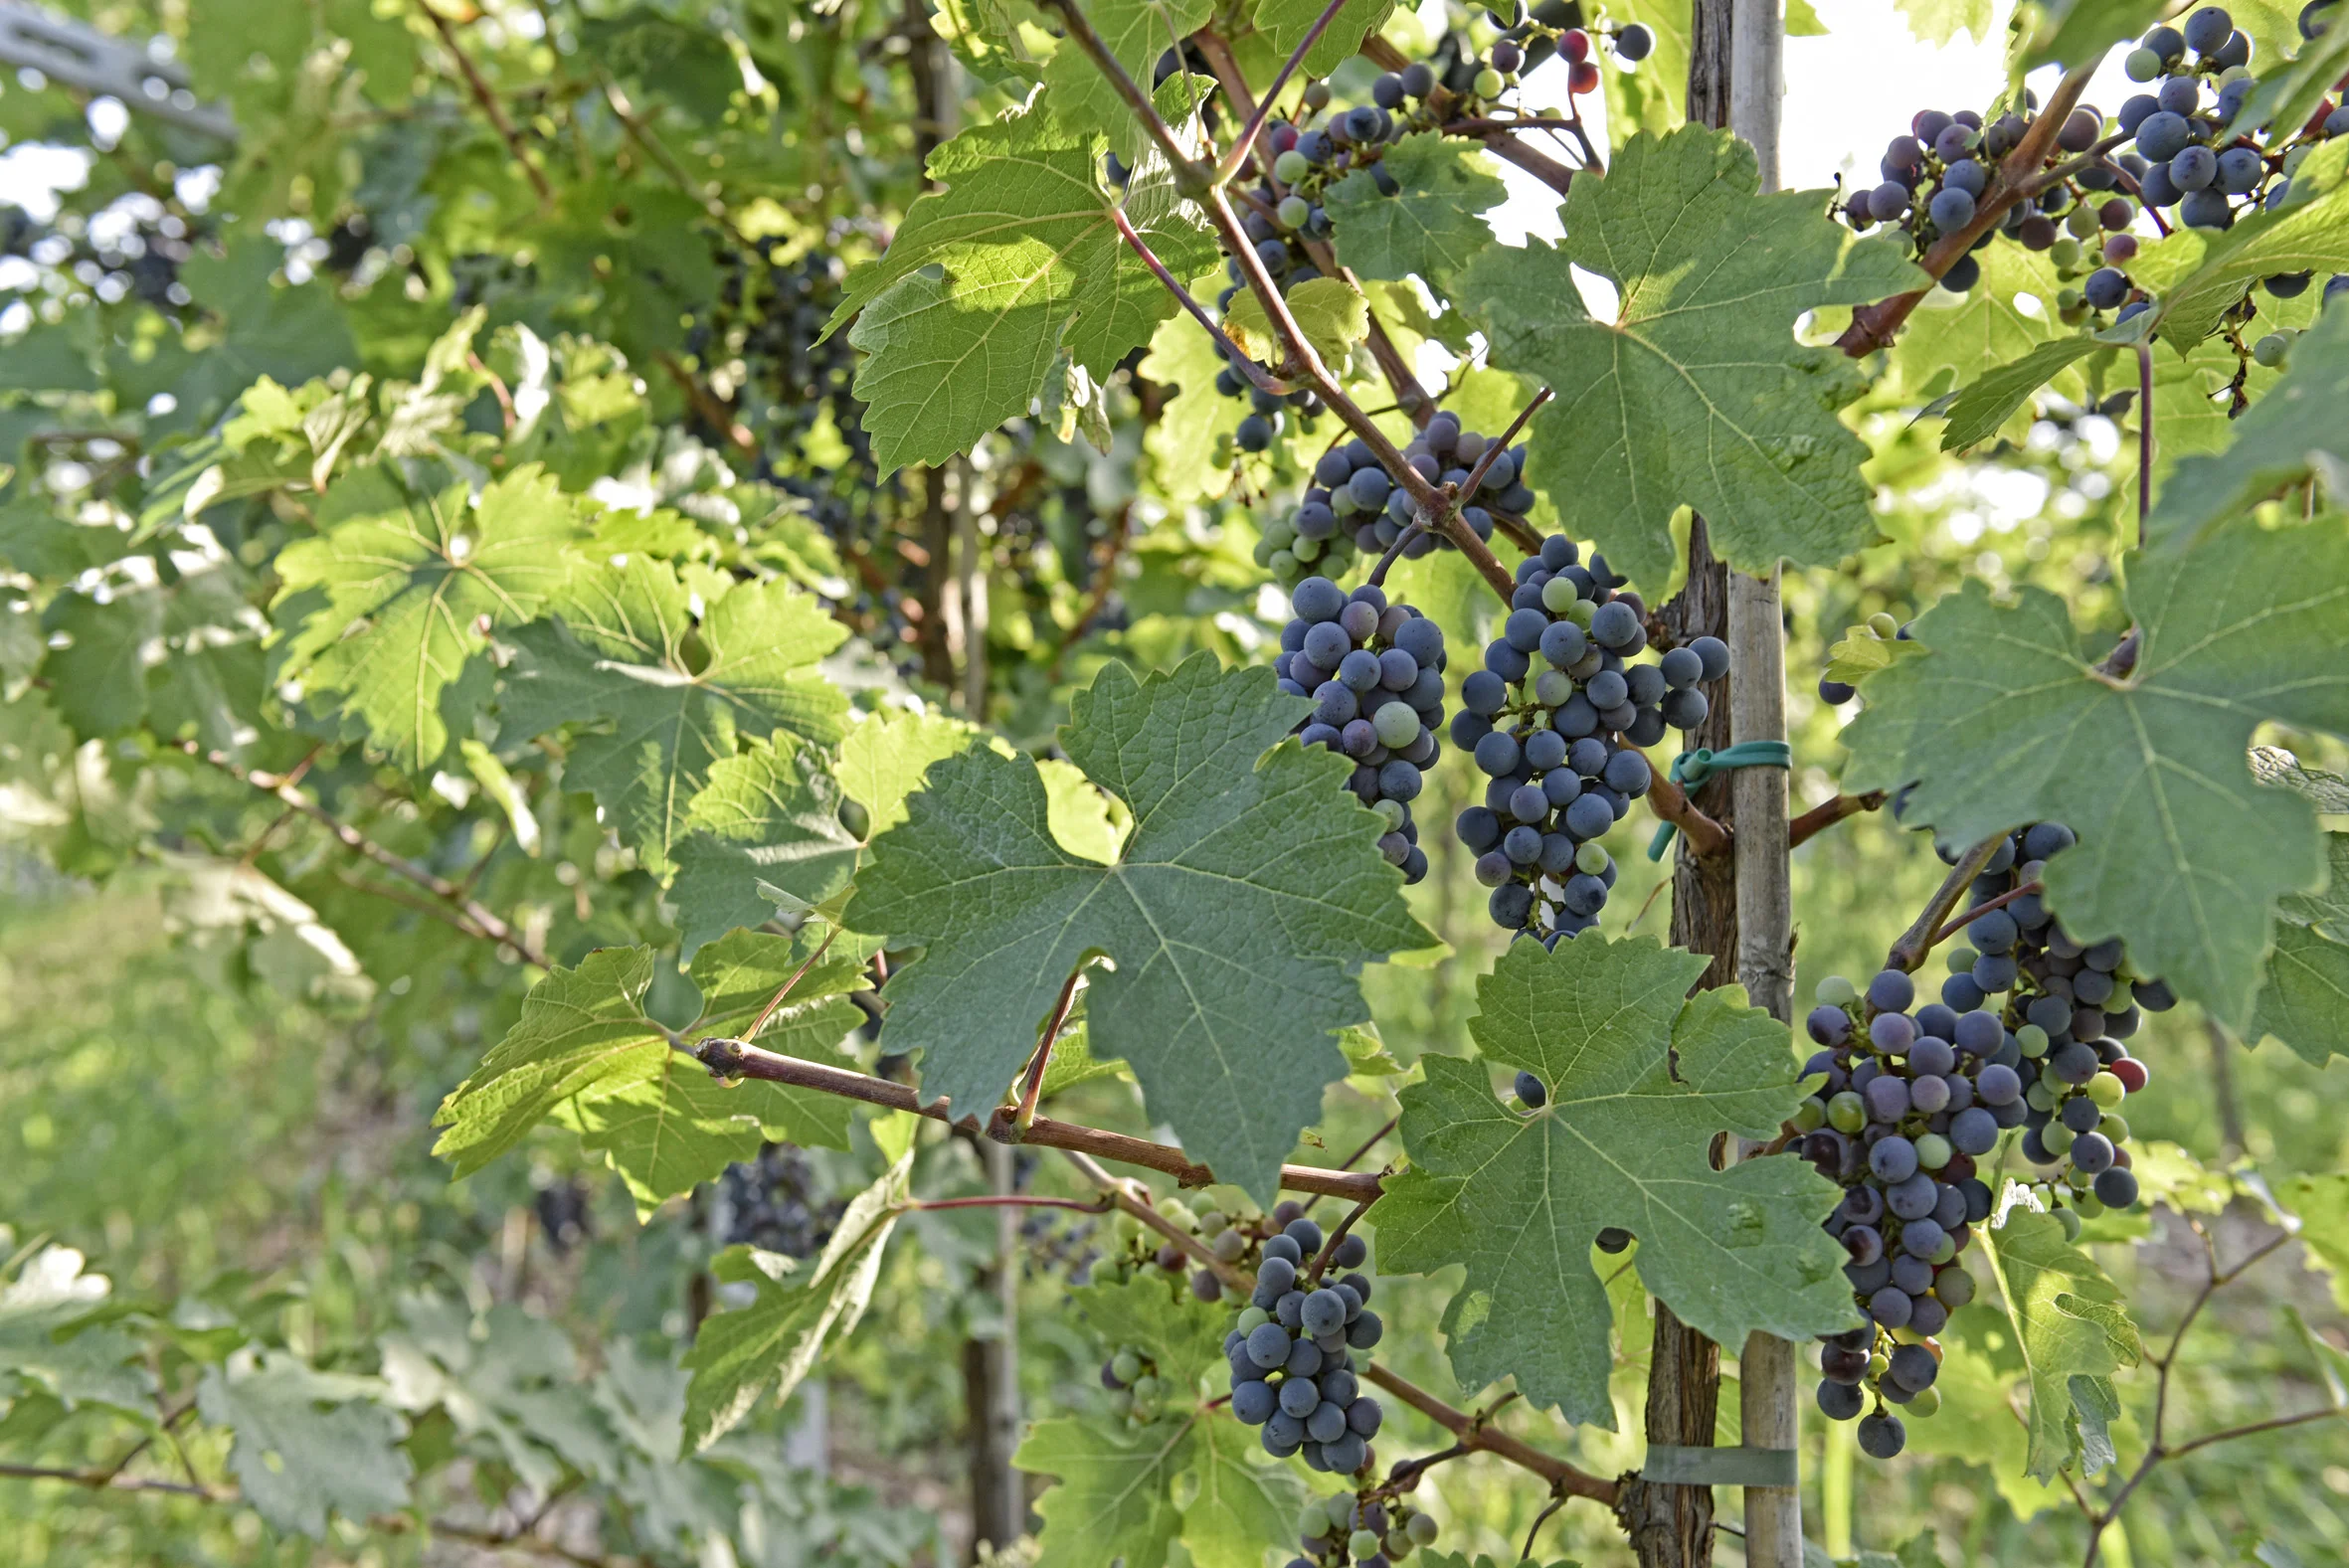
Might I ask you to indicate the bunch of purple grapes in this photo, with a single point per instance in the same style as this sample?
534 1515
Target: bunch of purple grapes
1292 1351
1375 674
1556 719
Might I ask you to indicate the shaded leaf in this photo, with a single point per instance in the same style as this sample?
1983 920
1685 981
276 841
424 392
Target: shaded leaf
1433 226
2070 1332
768 814
2292 434
1984 408
306 1442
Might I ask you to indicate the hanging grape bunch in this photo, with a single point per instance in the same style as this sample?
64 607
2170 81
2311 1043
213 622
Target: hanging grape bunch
773 1203
1363 1529
1556 719
1375 674
1293 1345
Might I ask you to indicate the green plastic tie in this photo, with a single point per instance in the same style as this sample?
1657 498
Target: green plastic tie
1692 769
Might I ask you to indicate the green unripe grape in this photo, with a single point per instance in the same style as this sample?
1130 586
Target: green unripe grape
2115 1129
1262 553
1213 1223
1126 1365
1121 1402
2069 299
1557 593
2231 76
2064 253
1314 1522
1925 1404
1308 549
2121 998
1180 1212
1317 95
2079 1182
1946 1251
1847 1113
1551 688
1229 1243
1581 611
2038 1097
1879 1364
1835 991
2057 1137
1811 1115
1398 1547
2090 1204
2033 1039
1293 210
1884 625
1421 1527
2293 158
1396 725
2043 1193
1280 533
1283 563
1290 167
1361 1545
2271 350
1392 811
1146 1389
2073 316
1253 1319
2142 65
1933 1150
1489 84
1591 859
2083 222
1961 960
2071 1223
2105 1089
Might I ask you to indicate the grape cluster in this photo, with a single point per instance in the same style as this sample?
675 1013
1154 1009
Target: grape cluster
1292 1349
774 1203
1354 504
1360 1530
1135 1393
132 249
1556 720
1375 674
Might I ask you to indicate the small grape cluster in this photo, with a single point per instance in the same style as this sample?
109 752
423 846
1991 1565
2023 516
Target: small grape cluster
1292 1349
774 1203
1354 504
1562 746
1136 1395
1361 1531
1375 674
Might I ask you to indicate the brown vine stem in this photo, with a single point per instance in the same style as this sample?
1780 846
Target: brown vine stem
1033 1087
1356 1159
1918 939
1258 377
1237 153
1473 1433
1321 1259
739 1059
1130 1198
489 105
492 924
1958 922
784 989
1821 817
1011 1201
1874 326
707 404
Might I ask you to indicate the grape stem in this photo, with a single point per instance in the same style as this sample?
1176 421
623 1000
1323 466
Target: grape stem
1321 1259
1237 153
1258 377
1468 487
469 913
1958 922
1918 939
487 99
1874 326
2158 1449
1123 1196
1670 804
1011 1201
1821 817
784 989
728 1058
1032 1088
1189 177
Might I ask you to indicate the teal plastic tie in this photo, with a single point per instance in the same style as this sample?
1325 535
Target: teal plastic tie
1692 769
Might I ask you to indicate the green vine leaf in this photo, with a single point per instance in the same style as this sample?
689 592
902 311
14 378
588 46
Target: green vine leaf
1239 915
1433 227
991 282
771 815
671 695
2308 233
1950 337
2182 855
1980 1369
584 1052
2291 435
1331 315
2304 999
1697 394
2072 1335
1115 1499
49 1343
308 1442
1519 1198
764 1349
1136 32
395 589
1989 403
1286 22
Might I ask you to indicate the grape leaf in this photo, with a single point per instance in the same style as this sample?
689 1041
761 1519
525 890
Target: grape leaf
1950 337
1182 1335
1697 394
2072 1333
2291 435
741 1356
39 1345
996 279
1652 97
2072 32
884 756
1432 227
1989 402
2304 1001
2290 96
2308 233
517 1385
1861 654
584 1049
2181 853
2327 791
1976 1422
1331 315
675 693
1640 1078
308 1442
394 588
1286 22
2321 1205
1137 32
769 814
1939 20
1238 1497
1115 1501
1183 440
1239 914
